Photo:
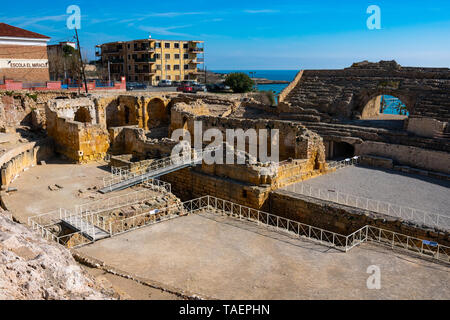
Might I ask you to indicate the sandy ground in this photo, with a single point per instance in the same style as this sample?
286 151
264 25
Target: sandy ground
408 190
225 258
129 289
34 196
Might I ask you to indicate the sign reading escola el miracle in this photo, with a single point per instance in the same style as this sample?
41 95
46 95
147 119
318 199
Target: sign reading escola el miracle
23 63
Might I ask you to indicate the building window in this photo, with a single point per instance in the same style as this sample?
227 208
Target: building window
176 67
128 46
185 45
167 45
168 78
186 77
158 45
177 45
134 56
158 78
167 66
136 78
157 56
158 67
129 68
186 67
177 56
177 78
167 56
186 56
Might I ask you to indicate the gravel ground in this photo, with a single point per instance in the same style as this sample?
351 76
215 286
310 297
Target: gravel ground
413 191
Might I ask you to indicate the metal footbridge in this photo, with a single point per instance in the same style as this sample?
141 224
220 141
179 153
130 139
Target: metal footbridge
88 229
123 178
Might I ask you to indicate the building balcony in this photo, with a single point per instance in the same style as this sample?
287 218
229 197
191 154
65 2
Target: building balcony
196 50
144 71
111 51
197 61
116 61
145 60
144 49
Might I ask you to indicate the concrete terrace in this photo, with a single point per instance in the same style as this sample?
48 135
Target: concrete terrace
224 258
402 189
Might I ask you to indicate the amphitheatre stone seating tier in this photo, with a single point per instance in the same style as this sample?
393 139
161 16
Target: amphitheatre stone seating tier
345 93
378 134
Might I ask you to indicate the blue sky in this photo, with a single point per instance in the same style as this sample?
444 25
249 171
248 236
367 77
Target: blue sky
261 34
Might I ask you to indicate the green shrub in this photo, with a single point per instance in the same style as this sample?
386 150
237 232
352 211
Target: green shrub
271 96
32 96
239 82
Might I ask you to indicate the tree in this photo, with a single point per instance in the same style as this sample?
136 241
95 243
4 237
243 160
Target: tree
239 82
64 62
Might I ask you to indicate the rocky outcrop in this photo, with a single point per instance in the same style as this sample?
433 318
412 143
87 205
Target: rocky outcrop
32 268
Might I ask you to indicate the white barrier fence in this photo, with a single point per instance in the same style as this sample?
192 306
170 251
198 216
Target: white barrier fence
192 156
86 217
406 213
344 163
328 238
122 174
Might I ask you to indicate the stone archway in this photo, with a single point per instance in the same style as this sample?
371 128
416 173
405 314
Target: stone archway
369 102
83 115
157 113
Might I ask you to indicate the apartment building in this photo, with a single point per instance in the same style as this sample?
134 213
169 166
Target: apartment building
23 55
152 60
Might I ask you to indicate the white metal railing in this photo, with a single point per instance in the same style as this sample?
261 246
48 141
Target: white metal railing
344 163
211 204
367 233
86 217
406 213
193 156
121 174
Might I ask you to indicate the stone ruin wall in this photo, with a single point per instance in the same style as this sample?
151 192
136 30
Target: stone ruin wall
25 108
133 140
245 184
78 141
296 142
23 157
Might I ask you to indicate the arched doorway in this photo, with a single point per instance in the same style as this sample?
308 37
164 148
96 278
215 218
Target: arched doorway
338 150
386 110
83 115
127 114
157 114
